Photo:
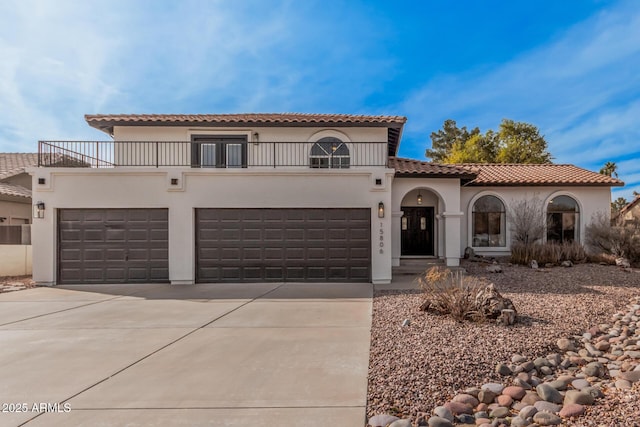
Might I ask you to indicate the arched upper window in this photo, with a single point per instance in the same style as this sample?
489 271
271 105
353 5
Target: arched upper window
329 152
563 219
488 222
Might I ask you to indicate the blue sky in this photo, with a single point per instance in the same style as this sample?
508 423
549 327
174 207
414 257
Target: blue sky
569 67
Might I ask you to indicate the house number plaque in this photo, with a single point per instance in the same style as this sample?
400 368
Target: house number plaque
381 244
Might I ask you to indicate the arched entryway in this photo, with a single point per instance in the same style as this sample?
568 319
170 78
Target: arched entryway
418 224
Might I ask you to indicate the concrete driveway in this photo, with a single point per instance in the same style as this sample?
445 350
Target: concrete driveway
215 355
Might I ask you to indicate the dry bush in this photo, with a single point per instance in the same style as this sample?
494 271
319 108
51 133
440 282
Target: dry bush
619 240
528 220
451 293
547 253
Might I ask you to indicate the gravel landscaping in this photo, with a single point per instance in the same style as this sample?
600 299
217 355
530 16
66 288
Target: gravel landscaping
424 364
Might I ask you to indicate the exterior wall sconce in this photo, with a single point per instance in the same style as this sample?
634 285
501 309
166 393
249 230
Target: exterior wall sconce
38 210
380 210
419 198
256 138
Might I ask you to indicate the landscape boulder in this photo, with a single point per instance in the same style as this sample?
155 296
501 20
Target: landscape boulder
490 303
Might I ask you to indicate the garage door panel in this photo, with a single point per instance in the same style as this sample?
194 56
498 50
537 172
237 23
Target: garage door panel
252 234
294 235
274 273
252 254
283 244
359 272
71 255
338 273
93 235
72 235
230 254
159 235
295 254
115 245
359 254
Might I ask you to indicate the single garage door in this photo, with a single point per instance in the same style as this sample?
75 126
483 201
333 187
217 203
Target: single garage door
306 245
113 246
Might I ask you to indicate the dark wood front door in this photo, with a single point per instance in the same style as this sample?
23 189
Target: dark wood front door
417 231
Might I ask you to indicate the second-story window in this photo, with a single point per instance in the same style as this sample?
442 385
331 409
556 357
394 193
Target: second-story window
329 153
224 151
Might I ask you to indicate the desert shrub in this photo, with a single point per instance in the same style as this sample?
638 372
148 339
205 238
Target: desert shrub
547 253
450 293
528 220
618 240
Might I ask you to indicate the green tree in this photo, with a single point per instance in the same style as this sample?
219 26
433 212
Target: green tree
515 142
521 142
610 169
618 203
477 149
443 140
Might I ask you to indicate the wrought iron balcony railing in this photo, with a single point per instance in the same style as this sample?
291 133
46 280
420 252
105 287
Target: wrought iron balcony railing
111 154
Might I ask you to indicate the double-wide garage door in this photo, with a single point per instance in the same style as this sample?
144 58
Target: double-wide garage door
113 246
251 245
232 245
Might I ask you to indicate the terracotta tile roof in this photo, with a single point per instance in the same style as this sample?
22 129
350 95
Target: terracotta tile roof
14 190
104 121
537 174
484 174
417 168
12 164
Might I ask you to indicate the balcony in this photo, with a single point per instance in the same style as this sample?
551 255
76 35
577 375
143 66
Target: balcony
196 154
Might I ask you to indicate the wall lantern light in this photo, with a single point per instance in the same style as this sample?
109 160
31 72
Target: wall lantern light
419 198
38 210
380 210
256 138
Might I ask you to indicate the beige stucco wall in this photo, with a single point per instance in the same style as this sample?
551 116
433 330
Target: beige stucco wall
202 188
15 212
277 134
260 149
591 200
444 195
15 260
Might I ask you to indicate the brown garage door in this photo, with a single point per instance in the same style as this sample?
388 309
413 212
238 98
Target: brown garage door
306 245
112 246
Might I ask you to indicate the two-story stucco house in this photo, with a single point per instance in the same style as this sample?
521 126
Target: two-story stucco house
276 197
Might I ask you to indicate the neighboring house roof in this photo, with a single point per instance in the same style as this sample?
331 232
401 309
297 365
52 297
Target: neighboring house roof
498 174
537 174
12 164
417 169
629 206
394 124
7 189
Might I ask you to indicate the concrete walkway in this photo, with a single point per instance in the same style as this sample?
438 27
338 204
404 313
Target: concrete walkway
216 355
